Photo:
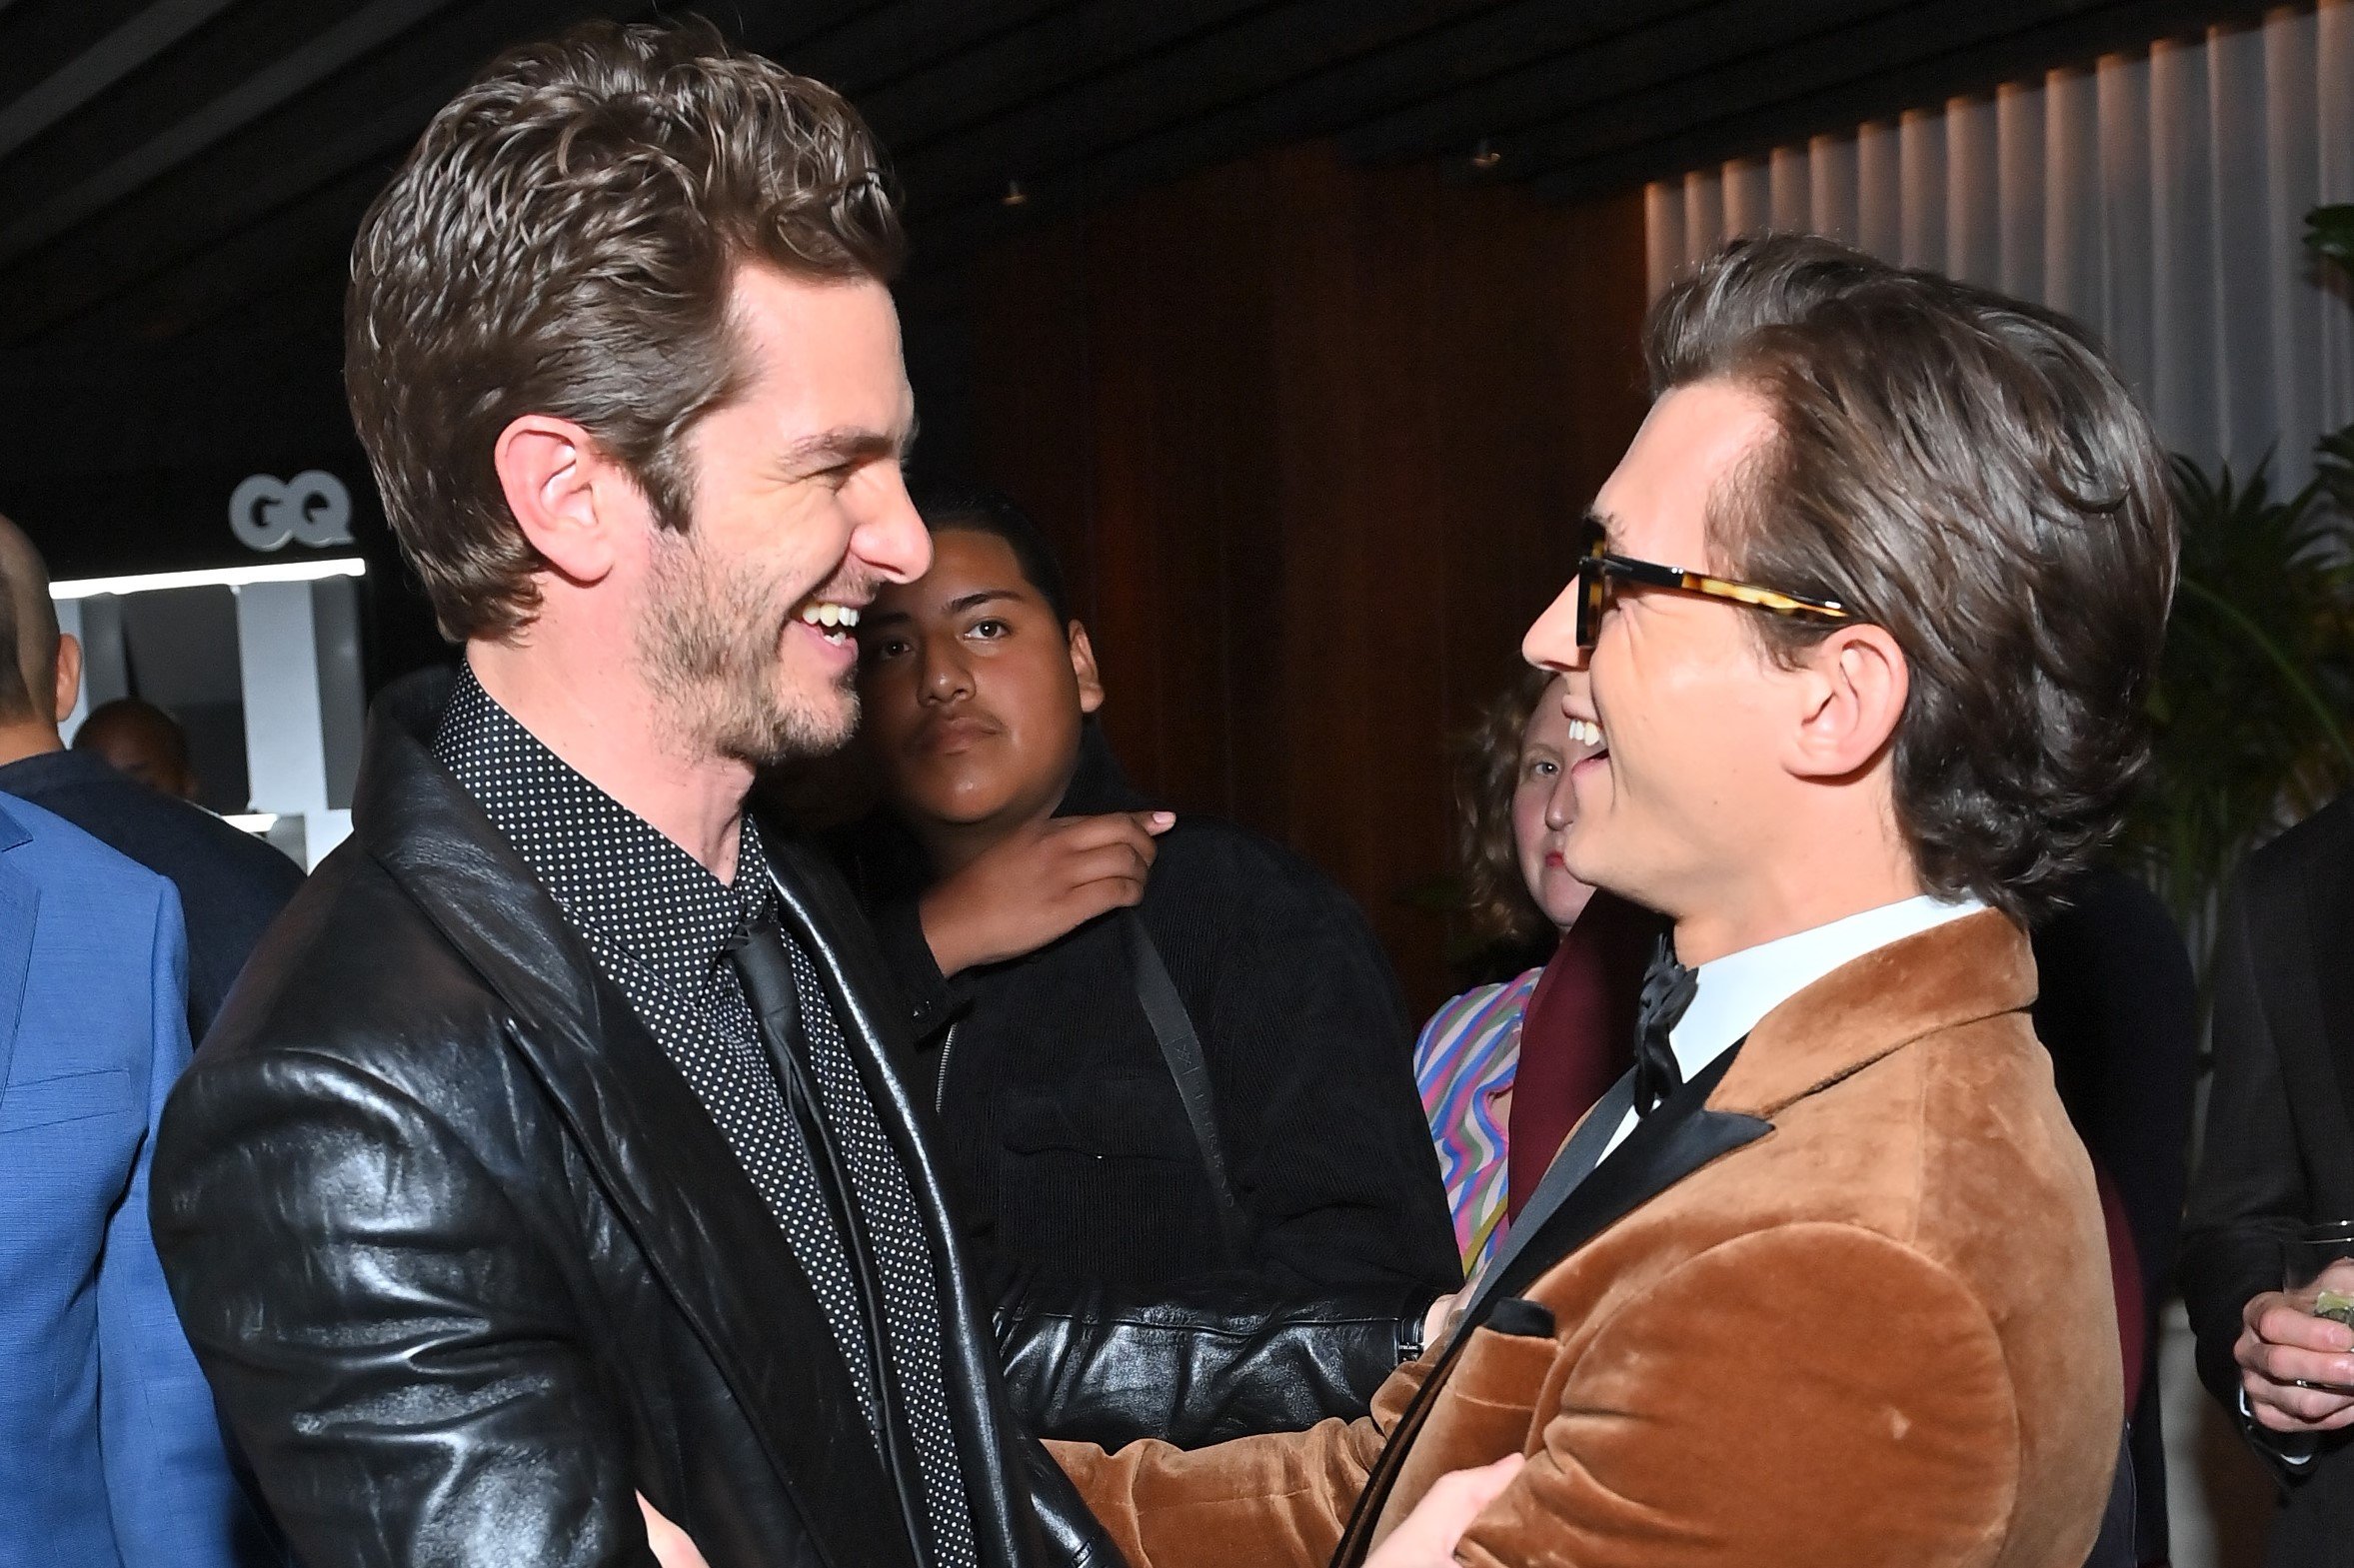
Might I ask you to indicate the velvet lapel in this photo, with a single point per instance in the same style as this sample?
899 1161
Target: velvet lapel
818 909
1660 1151
1677 1138
709 1239
20 906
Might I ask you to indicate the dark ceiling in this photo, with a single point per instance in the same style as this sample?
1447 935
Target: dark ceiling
180 179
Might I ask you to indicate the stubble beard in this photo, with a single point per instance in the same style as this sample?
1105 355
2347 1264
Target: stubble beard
711 643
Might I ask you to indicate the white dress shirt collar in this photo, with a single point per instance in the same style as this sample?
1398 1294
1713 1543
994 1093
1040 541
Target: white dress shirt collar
1741 988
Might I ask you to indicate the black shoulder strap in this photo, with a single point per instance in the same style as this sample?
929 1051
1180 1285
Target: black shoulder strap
1181 1047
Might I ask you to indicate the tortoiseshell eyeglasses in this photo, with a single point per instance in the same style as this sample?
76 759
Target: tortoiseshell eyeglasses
1599 571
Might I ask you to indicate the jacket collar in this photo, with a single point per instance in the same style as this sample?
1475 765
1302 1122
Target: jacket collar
1974 967
1979 966
1098 782
703 1229
51 769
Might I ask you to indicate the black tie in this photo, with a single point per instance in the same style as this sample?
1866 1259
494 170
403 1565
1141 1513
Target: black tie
1667 992
767 975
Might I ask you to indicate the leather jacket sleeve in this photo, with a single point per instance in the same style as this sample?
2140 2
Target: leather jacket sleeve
1199 1367
413 1395
1070 1535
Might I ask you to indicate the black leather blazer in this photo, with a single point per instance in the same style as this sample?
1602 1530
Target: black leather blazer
468 1265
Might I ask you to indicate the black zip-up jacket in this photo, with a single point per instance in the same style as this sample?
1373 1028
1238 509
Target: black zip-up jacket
468 1265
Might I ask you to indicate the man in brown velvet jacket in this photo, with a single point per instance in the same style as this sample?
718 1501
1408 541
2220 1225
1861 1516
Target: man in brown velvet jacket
1868 608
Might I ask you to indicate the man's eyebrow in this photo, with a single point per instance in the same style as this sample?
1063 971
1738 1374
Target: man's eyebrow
843 443
1602 522
979 596
955 606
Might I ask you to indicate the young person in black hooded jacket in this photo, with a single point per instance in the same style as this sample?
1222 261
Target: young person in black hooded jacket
1009 875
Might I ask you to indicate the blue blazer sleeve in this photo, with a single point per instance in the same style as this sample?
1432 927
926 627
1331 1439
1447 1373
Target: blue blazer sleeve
168 1484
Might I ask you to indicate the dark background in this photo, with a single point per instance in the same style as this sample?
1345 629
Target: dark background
1311 325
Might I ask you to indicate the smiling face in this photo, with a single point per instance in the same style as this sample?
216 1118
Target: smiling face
1543 802
972 690
800 514
1688 788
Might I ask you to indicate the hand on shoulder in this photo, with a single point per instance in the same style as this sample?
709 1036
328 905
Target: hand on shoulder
1039 884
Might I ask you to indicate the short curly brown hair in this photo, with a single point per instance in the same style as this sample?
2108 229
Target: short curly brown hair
563 240
1967 471
1500 909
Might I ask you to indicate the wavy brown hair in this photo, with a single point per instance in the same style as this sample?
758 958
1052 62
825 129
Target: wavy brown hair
563 240
1969 472
1496 901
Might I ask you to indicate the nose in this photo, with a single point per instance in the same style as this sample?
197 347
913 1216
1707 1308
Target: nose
1560 804
891 540
1552 642
942 674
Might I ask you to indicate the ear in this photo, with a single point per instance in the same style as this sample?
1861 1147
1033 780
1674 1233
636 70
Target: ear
67 678
559 488
1082 664
1851 689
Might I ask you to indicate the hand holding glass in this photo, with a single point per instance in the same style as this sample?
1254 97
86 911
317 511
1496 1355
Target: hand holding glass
2318 1271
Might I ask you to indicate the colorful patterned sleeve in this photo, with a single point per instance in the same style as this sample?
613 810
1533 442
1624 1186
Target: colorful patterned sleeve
1464 1062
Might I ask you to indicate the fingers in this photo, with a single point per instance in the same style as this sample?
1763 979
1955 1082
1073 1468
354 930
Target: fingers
2283 1344
1134 829
1435 1320
1091 850
1426 1537
1083 901
2275 1319
2286 1408
2287 1364
1475 1489
1122 860
672 1547
2281 1348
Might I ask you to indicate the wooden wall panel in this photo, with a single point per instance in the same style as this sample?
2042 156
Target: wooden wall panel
1311 438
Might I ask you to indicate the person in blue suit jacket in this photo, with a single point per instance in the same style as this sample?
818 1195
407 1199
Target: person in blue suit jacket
110 1451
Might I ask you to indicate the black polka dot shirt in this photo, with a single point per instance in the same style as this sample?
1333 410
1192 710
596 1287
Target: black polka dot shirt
660 926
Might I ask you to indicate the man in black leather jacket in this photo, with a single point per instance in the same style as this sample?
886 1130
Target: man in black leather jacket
545 1180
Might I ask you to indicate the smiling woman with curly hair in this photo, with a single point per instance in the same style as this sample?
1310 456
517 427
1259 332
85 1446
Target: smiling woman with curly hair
1506 1070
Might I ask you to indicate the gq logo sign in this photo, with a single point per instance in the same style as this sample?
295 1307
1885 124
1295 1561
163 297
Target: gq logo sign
265 512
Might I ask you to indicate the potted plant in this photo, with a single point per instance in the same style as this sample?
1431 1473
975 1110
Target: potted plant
2253 709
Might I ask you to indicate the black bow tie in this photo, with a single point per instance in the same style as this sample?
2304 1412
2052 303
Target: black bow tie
1667 991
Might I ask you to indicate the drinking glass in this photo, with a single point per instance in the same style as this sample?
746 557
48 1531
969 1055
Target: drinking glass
2318 1271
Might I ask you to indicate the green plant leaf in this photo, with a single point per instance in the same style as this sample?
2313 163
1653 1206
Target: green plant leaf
2253 709
2330 230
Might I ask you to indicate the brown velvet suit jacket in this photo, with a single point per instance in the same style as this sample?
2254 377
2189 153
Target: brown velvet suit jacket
1854 1311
